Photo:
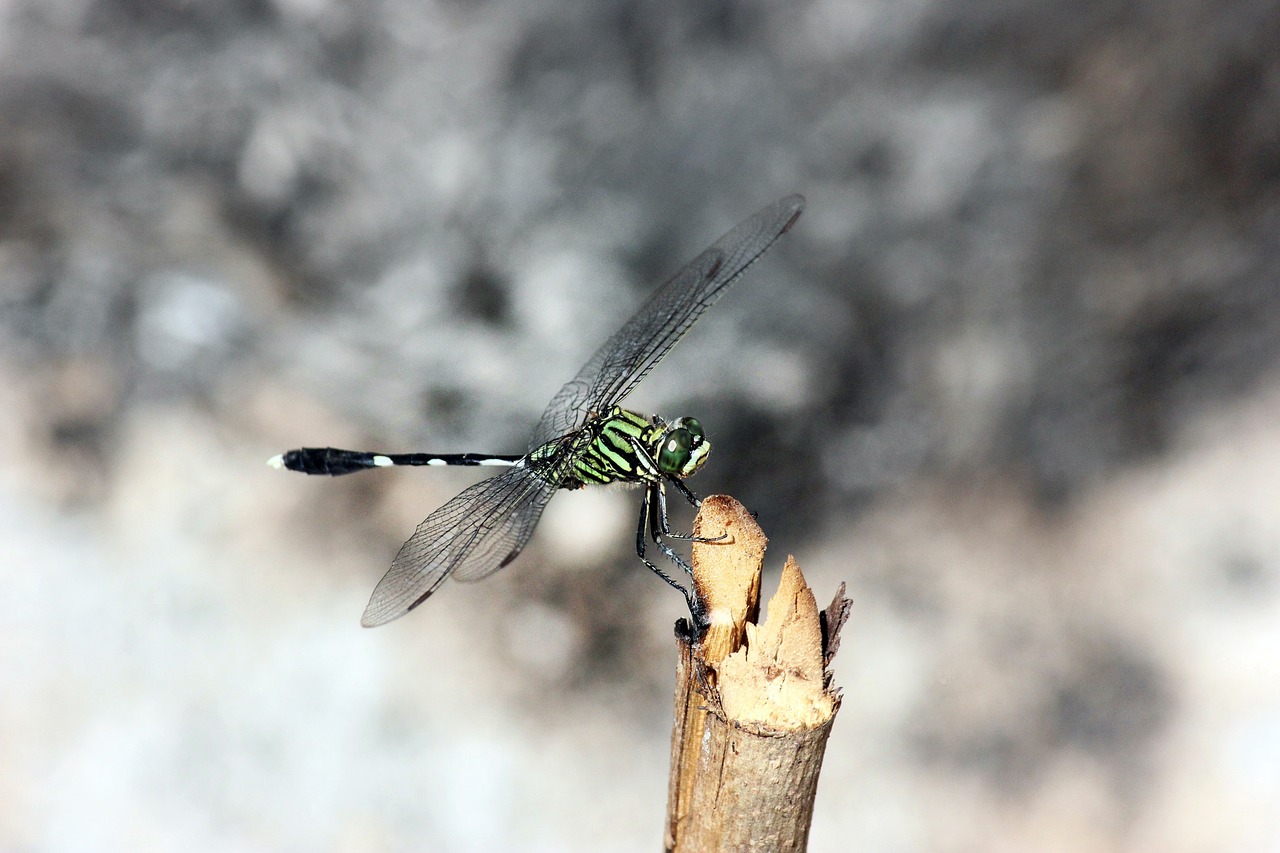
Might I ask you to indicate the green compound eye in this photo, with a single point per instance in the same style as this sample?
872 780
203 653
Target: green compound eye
694 428
674 455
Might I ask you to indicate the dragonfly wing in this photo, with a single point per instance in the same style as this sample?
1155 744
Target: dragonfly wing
472 536
625 358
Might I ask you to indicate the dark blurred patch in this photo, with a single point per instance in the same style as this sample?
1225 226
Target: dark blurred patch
78 469
82 434
624 41
653 257
1234 116
28 259
910 588
861 374
11 192
448 410
75 414
347 45
483 295
280 232
1160 354
1196 351
603 611
1248 574
874 161
1068 439
1112 703
61 118
771 464
585 44
723 22
1108 393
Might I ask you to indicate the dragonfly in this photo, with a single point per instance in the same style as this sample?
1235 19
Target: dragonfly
584 437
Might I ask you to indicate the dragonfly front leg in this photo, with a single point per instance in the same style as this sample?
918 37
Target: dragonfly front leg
697 502
653 519
650 517
684 490
660 527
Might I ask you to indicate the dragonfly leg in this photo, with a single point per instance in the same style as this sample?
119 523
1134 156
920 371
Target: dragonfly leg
651 520
697 502
659 526
684 490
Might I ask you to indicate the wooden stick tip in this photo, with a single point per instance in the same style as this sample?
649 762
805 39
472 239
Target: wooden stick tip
726 572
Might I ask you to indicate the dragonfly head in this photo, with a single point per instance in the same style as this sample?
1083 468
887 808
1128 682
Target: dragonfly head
683 448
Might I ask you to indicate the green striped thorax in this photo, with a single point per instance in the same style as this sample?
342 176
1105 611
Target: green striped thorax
625 446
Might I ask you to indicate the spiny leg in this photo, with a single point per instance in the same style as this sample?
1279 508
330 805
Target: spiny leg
647 507
651 522
659 526
684 490
697 503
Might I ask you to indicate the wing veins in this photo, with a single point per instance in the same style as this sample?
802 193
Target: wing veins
615 369
472 536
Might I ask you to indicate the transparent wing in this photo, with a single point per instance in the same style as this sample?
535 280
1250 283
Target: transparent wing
472 536
625 358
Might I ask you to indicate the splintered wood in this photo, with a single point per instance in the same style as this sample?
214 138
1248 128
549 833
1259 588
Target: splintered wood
776 679
754 701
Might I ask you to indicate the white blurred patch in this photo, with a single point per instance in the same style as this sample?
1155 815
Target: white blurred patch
185 318
780 378
582 528
571 296
542 639
275 154
976 374
945 143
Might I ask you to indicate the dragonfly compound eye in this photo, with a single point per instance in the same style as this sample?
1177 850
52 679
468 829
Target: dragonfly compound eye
674 455
694 428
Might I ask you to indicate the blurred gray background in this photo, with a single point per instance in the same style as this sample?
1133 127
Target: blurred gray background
1012 376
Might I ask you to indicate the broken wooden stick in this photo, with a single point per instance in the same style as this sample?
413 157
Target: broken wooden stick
754 700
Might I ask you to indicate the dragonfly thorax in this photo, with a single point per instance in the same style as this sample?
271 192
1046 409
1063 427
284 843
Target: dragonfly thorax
622 446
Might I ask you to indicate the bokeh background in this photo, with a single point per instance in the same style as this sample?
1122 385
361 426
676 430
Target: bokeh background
1013 377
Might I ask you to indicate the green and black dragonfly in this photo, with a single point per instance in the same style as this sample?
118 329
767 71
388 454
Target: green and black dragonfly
583 438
